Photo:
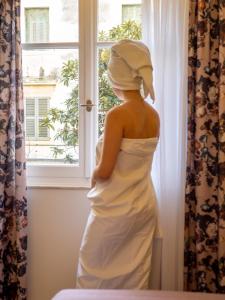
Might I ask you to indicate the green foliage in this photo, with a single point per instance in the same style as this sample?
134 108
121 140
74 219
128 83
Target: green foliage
127 30
67 120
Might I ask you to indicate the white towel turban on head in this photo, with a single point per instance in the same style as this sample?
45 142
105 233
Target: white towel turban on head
130 66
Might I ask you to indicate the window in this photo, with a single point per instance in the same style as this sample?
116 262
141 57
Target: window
66 89
131 12
37 25
36 111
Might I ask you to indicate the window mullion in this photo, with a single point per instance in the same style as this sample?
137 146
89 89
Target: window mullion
43 46
88 21
36 100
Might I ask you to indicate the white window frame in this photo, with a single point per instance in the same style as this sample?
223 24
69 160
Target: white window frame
68 176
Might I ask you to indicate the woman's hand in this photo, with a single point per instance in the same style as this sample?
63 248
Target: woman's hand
112 138
93 181
94 177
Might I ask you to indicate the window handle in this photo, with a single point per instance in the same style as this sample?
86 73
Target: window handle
88 105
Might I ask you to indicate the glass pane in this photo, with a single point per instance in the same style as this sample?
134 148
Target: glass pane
51 78
49 21
119 19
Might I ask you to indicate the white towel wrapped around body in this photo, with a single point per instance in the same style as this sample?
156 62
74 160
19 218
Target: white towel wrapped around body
116 248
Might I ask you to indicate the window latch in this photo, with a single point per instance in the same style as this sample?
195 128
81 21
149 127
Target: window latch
88 105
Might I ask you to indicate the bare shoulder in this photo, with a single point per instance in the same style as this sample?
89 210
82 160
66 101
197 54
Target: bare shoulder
121 113
115 112
114 117
152 111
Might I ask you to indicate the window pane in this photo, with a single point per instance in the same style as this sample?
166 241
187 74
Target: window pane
51 84
119 19
49 21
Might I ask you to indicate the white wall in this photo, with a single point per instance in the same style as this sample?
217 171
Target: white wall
56 222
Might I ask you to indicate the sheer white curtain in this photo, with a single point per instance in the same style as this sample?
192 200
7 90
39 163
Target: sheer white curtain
165 32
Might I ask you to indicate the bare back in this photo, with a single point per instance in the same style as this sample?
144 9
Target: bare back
140 120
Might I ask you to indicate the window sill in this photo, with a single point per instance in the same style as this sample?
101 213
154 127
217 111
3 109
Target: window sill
58 183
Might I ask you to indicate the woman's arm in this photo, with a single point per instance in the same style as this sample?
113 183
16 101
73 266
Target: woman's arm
113 133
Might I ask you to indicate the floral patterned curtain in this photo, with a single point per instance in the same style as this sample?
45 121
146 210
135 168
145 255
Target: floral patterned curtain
205 191
13 204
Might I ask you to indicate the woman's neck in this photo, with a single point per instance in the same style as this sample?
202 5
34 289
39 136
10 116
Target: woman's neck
133 95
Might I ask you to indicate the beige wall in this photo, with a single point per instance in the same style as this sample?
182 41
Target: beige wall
56 221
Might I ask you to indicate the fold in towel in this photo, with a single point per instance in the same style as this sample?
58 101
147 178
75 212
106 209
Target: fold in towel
130 67
116 247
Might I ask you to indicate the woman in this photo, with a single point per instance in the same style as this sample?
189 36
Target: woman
117 244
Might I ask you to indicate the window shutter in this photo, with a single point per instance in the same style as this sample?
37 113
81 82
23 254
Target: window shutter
42 31
30 128
43 131
131 12
42 107
30 107
30 117
33 32
37 25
